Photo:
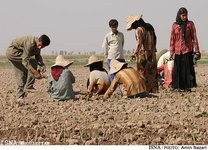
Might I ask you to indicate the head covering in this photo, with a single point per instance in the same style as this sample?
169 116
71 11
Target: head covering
60 61
159 54
182 10
92 59
182 24
56 72
131 19
115 66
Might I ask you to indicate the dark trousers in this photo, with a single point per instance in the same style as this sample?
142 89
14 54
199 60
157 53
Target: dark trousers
24 78
139 95
184 73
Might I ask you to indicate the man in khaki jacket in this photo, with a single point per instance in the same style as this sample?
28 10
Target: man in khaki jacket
24 54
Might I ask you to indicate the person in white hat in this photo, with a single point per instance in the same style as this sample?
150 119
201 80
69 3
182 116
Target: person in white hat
162 60
145 50
160 53
132 83
167 69
99 80
60 80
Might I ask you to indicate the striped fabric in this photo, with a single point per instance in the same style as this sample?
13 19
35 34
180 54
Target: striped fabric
131 81
146 58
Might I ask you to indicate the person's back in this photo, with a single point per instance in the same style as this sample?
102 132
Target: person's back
163 59
133 85
131 81
100 78
168 71
148 38
160 53
62 88
145 51
60 80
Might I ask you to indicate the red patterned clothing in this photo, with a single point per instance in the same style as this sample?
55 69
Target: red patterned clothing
177 45
168 71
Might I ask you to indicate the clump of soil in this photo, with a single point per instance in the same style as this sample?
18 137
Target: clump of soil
168 118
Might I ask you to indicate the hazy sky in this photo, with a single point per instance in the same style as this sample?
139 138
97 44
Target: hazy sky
80 25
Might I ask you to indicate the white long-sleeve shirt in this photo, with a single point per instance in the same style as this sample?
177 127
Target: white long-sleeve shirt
113 45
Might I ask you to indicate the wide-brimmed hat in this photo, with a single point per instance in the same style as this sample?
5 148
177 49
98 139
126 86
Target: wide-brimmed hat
130 19
159 54
93 59
60 61
115 66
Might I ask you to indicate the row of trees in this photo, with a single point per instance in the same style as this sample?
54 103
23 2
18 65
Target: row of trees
61 52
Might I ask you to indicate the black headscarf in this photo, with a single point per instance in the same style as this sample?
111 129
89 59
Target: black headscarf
182 24
147 26
97 66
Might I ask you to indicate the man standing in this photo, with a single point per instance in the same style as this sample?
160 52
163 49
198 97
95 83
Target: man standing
113 44
20 53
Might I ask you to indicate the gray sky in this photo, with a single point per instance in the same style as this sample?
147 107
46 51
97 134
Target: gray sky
80 25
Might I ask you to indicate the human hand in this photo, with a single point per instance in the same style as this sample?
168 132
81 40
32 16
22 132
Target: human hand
171 57
43 69
104 99
198 55
132 58
36 73
88 96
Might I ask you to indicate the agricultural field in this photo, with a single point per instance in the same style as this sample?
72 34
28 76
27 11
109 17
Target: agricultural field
166 119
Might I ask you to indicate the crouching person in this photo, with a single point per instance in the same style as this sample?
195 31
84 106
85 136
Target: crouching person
25 55
60 80
167 68
133 85
99 80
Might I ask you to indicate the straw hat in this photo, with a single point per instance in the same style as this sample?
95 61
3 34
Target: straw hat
159 54
91 60
115 66
60 61
130 19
